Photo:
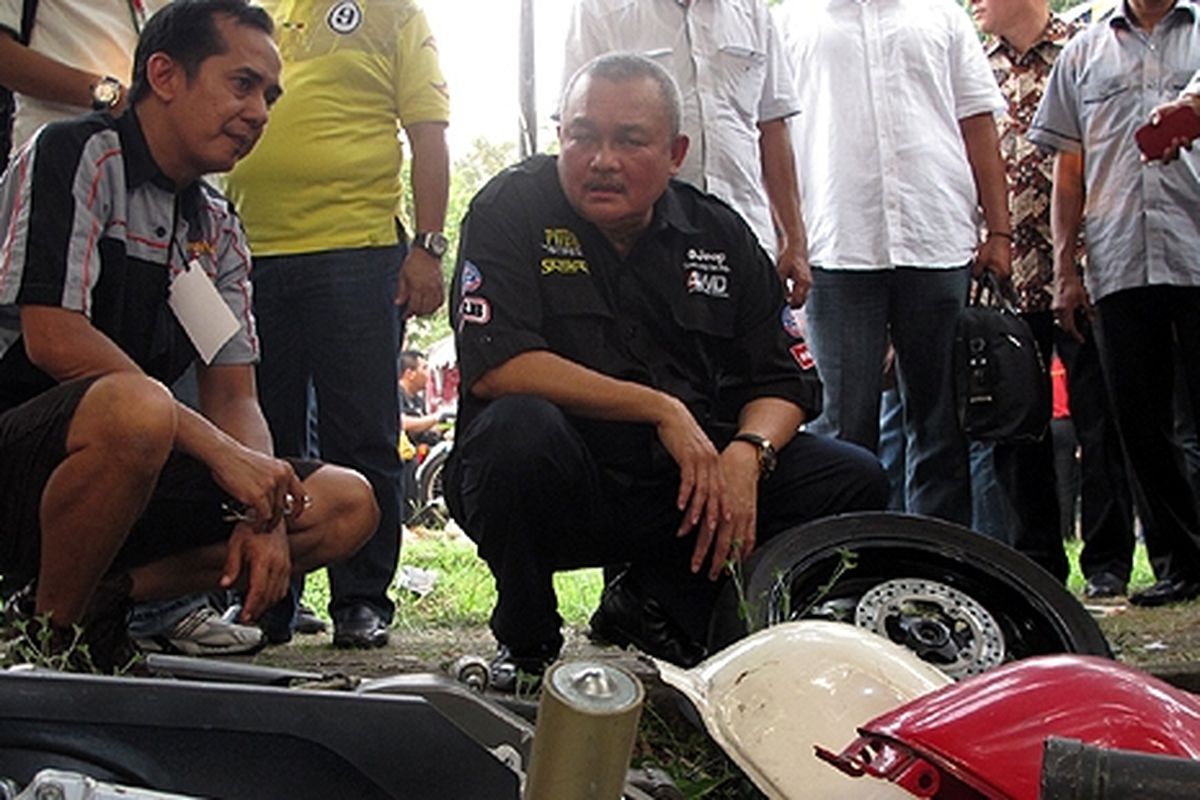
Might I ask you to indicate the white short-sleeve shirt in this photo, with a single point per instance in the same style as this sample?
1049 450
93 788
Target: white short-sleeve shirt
883 169
98 36
727 58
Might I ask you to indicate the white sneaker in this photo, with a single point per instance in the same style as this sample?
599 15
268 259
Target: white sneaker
204 633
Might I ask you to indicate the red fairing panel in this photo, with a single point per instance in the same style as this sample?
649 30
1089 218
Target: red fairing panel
983 737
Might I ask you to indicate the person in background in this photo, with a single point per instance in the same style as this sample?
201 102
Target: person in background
1142 292
896 149
334 269
737 94
419 426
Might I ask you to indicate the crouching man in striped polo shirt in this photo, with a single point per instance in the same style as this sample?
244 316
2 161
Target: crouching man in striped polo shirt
125 268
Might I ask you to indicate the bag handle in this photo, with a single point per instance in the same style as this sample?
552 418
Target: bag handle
989 291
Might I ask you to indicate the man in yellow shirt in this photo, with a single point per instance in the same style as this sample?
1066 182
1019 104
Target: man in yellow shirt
321 201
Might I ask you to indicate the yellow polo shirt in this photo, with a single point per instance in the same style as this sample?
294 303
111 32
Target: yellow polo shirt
326 175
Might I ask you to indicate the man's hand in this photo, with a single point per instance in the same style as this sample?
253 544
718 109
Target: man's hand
1178 143
420 289
265 562
995 255
1069 296
792 265
738 527
701 486
261 483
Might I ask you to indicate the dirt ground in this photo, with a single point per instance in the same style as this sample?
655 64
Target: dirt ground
1163 641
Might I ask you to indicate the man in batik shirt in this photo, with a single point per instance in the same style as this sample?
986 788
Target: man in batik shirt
1024 40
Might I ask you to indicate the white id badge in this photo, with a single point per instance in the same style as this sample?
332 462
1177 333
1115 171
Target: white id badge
200 310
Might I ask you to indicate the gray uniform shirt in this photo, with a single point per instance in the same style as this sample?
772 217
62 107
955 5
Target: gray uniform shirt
1142 220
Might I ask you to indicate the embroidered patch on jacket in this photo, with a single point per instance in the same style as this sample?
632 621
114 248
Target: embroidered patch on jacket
471 278
706 272
802 355
476 310
564 253
793 323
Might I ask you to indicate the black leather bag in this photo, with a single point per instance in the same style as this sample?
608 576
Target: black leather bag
1002 385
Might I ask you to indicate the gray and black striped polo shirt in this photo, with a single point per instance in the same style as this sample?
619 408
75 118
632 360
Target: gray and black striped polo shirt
88 222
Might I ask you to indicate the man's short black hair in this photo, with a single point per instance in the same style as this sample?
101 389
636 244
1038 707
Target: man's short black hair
621 67
410 359
186 30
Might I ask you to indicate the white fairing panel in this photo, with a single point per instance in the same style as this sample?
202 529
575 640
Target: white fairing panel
769 698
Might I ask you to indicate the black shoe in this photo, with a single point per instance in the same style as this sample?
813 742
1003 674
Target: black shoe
625 618
1103 585
1166 592
513 673
359 626
307 621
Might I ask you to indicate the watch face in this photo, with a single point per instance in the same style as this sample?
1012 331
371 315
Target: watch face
434 243
106 93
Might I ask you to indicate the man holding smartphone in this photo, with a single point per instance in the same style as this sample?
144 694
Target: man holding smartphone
1142 290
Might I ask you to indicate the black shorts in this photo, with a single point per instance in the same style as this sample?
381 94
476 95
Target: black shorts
184 512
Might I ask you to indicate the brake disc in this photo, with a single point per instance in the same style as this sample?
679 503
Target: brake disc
944 625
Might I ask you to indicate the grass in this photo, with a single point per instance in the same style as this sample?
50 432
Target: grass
465 592
1142 575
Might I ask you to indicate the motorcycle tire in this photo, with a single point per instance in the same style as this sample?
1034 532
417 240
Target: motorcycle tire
961 601
429 476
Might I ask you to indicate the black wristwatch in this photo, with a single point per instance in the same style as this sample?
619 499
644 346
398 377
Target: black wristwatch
766 452
106 94
432 242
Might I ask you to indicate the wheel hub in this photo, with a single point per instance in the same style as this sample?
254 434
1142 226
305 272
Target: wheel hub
941 624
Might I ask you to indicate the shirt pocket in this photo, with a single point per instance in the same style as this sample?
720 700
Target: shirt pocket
1109 106
740 72
1105 89
703 315
576 319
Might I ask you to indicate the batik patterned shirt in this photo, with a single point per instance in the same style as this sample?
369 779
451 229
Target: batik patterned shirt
1022 79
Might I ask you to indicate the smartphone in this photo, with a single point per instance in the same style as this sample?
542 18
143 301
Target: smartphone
1178 123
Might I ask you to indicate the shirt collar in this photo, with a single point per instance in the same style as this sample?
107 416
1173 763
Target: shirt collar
668 212
140 166
1055 35
1122 15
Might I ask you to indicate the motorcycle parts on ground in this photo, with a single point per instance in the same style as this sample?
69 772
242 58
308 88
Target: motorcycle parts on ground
769 698
984 737
961 601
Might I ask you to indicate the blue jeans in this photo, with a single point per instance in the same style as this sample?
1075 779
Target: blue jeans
328 320
159 617
891 448
851 315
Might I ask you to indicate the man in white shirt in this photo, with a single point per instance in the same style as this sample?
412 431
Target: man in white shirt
895 150
80 56
737 94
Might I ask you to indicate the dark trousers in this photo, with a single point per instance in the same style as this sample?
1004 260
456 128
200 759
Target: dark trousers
329 319
1139 331
526 489
1106 497
1026 475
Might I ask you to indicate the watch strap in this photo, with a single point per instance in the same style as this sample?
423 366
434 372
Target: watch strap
767 458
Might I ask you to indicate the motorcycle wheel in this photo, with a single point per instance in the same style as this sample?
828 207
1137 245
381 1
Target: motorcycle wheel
961 601
429 476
